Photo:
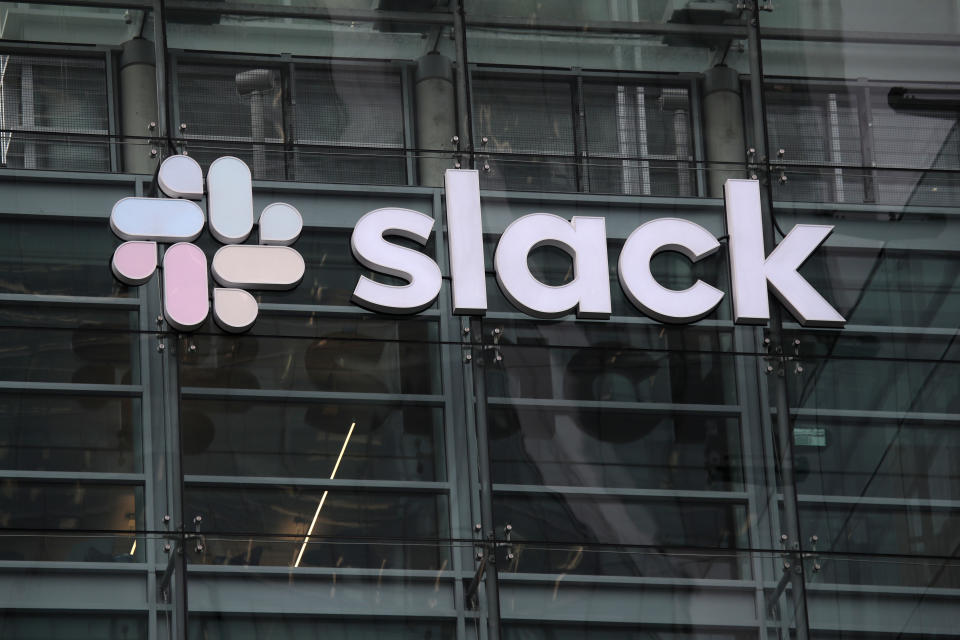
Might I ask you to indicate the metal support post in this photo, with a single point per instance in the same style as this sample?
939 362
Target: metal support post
723 128
138 104
464 121
778 383
436 117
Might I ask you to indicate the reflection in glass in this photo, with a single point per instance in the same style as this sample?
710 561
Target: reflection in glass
583 631
887 286
608 535
876 373
78 522
609 448
62 258
350 529
361 355
99 347
69 433
73 626
885 531
877 458
208 627
290 439
598 362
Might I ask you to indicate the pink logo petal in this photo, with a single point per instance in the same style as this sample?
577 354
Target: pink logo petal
185 294
134 262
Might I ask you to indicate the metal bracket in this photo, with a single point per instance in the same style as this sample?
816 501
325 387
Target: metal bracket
176 542
793 560
486 556
777 360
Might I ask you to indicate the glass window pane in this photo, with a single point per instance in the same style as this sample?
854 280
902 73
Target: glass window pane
74 626
608 535
335 528
98 347
57 258
46 98
610 363
69 433
295 439
367 355
609 448
207 627
79 522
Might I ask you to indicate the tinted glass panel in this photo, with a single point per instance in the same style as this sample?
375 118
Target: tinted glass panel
350 528
69 433
239 437
61 258
76 522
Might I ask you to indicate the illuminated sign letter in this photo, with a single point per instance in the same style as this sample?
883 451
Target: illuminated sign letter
465 234
584 239
751 271
374 252
667 305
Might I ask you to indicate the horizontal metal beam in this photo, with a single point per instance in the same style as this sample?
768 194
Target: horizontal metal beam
611 27
74 477
861 414
317 483
78 301
624 492
125 390
861 37
108 4
315 396
640 407
206 8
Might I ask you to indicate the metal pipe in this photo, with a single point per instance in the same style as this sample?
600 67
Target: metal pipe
138 104
436 117
488 526
464 122
777 381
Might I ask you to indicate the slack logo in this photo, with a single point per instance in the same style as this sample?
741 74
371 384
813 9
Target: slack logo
752 273
178 220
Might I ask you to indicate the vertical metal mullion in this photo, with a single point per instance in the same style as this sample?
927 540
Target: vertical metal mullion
147 448
463 86
290 124
28 116
699 154
643 147
759 491
778 384
287 81
407 102
160 55
112 111
174 72
865 118
580 136
455 407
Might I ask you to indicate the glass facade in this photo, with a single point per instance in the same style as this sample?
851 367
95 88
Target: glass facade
339 473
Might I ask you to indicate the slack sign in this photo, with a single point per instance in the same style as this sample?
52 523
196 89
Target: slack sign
752 273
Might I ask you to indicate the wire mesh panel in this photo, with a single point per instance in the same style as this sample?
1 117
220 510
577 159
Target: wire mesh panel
819 128
528 124
234 103
349 125
638 139
923 139
53 113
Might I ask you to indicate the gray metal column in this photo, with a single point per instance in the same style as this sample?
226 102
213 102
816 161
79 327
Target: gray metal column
778 383
138 104
723 128
436 117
